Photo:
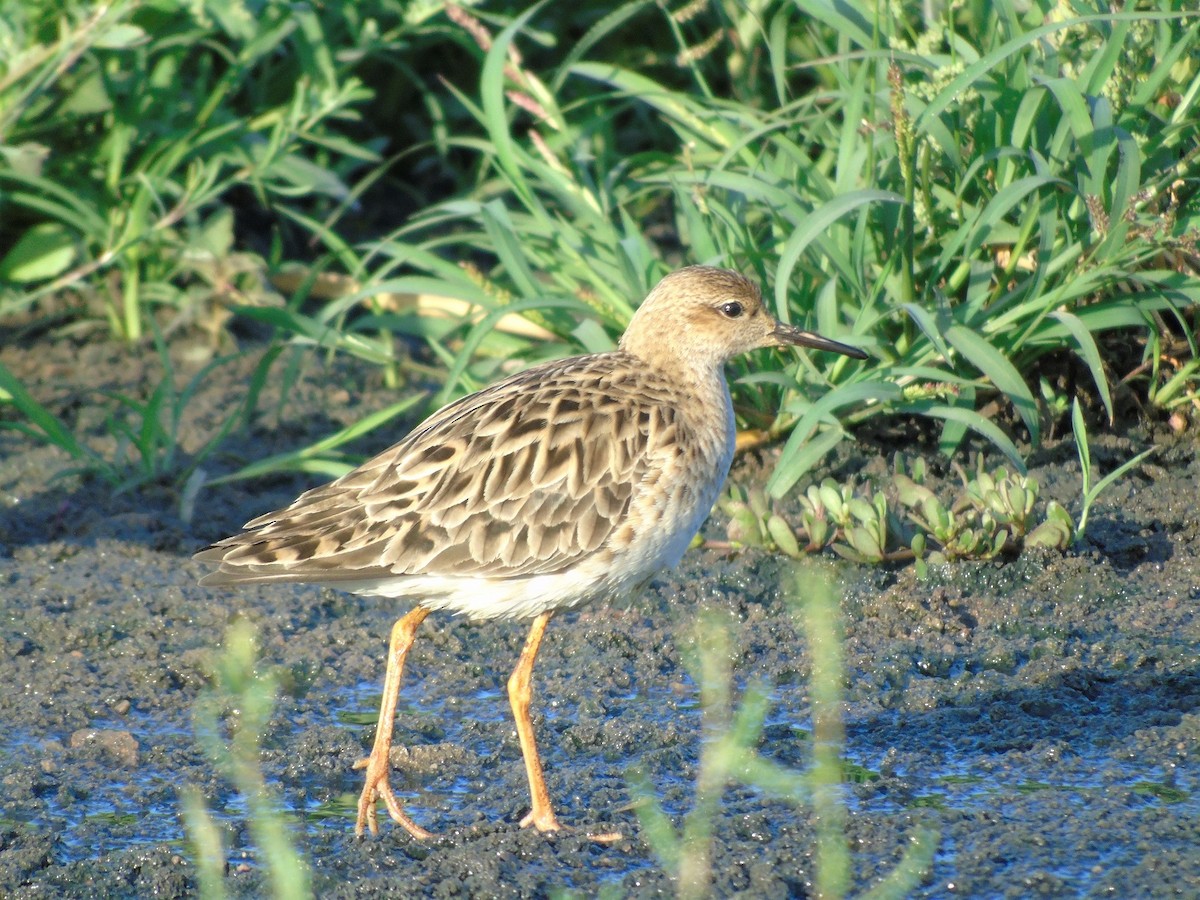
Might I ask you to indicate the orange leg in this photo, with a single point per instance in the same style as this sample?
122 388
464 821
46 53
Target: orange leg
541 815
377 765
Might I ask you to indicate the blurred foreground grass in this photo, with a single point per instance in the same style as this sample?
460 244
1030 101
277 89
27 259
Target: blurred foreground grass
230 721
729 755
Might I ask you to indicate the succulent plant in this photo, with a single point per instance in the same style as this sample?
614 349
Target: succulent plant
994 513
1056 532
1009 498
753 522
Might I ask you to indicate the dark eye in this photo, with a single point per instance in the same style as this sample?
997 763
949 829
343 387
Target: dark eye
732 309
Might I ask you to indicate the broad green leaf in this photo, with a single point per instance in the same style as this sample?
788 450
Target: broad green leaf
43 252
119 37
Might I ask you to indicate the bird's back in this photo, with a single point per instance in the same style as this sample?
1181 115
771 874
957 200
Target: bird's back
577 477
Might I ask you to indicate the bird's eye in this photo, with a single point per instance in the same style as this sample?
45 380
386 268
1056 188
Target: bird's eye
732 309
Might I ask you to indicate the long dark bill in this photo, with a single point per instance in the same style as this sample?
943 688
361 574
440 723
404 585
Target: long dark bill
789 334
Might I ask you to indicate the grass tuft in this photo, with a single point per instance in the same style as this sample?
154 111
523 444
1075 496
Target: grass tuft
230 719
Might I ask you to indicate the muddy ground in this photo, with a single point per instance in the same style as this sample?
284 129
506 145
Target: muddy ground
1041 713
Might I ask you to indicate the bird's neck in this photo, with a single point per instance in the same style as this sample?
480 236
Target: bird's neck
677 354
704 403
697 372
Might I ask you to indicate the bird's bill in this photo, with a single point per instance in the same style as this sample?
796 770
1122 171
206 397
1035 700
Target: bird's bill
797 337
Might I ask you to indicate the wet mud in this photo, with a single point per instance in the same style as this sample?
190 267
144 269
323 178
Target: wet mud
1043 713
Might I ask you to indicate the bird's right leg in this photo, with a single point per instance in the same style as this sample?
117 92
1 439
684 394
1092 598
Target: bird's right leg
541 813
377 765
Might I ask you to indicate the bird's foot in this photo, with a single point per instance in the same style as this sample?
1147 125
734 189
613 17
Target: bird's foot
377 788
544 820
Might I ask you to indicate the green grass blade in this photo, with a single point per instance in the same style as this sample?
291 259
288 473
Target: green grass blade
1079 429
677 107
1100 66
911 870
495 110
46 425
800 453
846 19
488 324
812 226
1121 470
657 829
929 327
1146 91
979 229
1002 373
1079 122
960 84
802 456
1090 353
319 333
973 421
318 457
506 244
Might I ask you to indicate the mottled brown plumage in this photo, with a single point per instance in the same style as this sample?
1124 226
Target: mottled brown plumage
572 481
532 476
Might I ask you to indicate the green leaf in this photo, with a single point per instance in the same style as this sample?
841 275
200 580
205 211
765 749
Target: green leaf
506 242
1090 353
487 325
814 224
981 227
495 110
799 453
844 18
783 536
1079 429
1002 373
322 334
45 425
657 829
802 455
319 457
929 328
955 89
972 420
43 252
216 235
1075 114
120 37
1121 470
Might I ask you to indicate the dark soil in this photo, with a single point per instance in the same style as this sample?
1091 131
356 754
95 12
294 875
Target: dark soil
1042 713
